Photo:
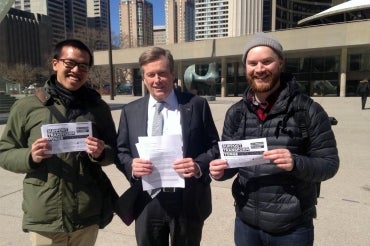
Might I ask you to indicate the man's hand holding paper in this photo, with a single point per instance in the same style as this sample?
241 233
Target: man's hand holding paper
68 137
242 153
161 152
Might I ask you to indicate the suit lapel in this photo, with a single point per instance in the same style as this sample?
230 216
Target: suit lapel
142 123
186 111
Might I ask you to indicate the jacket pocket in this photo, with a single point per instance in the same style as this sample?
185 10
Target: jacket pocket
40 198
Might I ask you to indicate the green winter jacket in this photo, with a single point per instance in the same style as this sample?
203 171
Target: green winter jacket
60 194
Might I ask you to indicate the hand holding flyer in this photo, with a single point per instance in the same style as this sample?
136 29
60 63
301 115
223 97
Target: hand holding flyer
242 153
67 137
156 149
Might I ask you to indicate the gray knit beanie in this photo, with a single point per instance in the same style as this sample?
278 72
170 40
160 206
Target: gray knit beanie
263 39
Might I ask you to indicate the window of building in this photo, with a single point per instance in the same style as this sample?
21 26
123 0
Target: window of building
316 76
359 62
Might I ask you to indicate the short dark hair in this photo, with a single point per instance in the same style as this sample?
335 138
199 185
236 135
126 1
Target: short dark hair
73 43
153 54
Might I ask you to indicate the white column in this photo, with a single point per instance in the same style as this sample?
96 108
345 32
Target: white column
223 78
180 74
343 72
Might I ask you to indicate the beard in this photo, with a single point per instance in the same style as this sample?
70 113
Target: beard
267 85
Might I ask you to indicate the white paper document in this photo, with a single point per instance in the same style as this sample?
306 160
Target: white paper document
162 151
67 137
242 153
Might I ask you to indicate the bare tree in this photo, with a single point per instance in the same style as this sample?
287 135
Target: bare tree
100 76
126 42
22 73
116 43
3 77
4 71
26 74
97 38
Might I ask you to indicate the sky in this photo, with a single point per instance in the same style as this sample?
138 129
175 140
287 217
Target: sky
158 12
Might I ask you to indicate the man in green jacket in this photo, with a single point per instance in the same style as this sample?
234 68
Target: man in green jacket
62 199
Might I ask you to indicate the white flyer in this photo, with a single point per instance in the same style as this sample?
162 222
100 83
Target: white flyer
67 137
162 151
242 153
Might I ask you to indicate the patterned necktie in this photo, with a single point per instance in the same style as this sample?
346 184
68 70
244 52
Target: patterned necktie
157 126
157 130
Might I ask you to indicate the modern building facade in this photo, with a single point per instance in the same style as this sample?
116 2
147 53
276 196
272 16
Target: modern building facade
68 18
75 13
136 23
287 13
244 17
55 10
159 35
355 60
327 60
98 22
348 11
180 21
25 38
211 19
248 17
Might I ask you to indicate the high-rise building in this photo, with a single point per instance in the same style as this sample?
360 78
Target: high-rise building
136 23
54 9
211 19
76 19
230 18
180 21
159 35
97 15
68 18
244 17
25 38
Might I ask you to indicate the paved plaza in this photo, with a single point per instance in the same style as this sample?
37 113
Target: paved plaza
343 208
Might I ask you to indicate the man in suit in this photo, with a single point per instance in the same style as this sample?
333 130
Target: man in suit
178 213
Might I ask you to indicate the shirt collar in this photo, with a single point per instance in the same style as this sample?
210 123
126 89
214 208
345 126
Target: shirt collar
171 101
270 100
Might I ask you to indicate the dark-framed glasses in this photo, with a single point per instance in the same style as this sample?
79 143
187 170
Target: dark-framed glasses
70 64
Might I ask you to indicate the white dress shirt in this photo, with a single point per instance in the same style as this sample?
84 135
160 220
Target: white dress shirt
171 118
171 115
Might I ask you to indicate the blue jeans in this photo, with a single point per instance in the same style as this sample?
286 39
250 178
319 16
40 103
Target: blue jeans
244 235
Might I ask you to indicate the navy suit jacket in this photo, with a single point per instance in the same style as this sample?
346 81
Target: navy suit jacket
200 139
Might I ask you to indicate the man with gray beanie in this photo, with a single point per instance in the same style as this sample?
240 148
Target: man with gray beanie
275 201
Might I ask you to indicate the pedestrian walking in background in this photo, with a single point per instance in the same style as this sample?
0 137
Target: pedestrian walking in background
363 90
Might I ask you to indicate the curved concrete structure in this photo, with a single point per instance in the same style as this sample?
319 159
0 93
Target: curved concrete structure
347 7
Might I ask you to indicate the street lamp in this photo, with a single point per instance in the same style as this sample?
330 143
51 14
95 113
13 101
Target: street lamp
112 88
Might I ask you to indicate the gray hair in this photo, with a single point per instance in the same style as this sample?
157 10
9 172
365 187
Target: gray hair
154 54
